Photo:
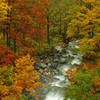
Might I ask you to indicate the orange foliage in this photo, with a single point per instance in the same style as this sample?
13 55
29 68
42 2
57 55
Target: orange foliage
98 63
18 78
96 82
89 65
27 18
6 55
36 98
91 71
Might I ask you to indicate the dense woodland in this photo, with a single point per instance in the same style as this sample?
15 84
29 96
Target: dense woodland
31 27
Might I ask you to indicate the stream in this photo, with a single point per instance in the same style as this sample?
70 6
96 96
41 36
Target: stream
56 85
52 70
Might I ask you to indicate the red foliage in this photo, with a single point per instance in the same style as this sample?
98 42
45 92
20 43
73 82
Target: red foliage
29 17
6 55
89 65
98 63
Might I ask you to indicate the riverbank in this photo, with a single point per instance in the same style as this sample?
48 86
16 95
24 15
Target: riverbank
51 70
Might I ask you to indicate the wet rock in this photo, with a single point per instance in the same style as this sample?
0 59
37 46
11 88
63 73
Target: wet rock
58 48
54 65
36 68
64 50
52 54
42 61
39 80
37 63
56 60
63 60
40 70
43 65
64 56
46 56
47 62
59 56
46 73
45 81
41 57
56 72
37 57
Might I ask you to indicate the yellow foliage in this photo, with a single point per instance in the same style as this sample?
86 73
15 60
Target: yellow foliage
96 82
3 9
17 78
87 21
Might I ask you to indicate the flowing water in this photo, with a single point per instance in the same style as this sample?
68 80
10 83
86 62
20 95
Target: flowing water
58 82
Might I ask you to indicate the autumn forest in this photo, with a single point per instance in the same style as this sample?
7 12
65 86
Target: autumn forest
41 38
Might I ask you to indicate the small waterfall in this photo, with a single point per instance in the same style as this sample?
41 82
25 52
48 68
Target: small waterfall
59 82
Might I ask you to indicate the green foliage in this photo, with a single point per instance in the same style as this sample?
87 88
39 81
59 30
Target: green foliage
58 40
76 49
44 49
86 27
83 83
14 79
24 97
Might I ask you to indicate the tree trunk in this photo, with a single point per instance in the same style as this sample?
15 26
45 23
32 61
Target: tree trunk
48 39
65 30
60 26
15 45
8 27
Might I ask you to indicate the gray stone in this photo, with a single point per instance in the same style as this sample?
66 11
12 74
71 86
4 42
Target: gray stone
37 64
49 64
41 71
56 60
43 65
59 56
64 56
54 65
64 50
46 73
63 60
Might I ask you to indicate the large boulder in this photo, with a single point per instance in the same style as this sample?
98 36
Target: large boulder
62 60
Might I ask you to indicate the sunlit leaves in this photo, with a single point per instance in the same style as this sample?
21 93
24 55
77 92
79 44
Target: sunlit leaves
85 82
26 18
17 78
86 26
6 55
3 10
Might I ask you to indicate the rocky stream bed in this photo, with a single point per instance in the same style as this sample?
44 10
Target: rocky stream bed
52 72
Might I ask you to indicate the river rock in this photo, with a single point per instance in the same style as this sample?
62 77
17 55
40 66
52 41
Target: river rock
64 50
43 65
64 56
37 63
63 60
41 71
59 55
54 65
56 60
47 62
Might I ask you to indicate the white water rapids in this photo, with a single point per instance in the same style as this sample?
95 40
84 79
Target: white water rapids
59 82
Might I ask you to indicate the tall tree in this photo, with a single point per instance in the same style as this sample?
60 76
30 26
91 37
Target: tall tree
86 26
26 21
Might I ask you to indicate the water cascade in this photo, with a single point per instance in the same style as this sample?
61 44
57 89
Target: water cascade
58 82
